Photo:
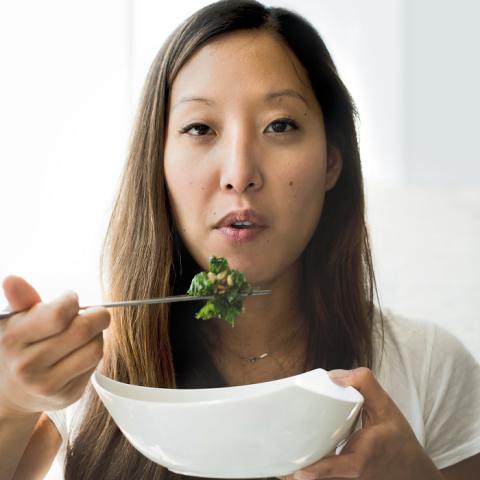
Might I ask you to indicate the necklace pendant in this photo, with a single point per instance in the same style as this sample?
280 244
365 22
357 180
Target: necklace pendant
254 358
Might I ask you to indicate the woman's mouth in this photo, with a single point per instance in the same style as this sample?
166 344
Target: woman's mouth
241 231
241 225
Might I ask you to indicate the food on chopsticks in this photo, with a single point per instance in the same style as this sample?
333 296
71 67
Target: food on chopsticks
227 285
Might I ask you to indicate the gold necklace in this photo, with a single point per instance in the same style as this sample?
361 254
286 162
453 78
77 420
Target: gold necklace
255 358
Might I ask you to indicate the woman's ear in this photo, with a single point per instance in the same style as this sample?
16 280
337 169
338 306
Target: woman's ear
334 167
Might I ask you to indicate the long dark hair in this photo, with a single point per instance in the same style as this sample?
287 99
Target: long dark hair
144 256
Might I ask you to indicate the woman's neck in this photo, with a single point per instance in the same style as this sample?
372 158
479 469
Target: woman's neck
274 324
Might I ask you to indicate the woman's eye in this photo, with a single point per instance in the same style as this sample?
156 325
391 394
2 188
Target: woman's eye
283 125
198 129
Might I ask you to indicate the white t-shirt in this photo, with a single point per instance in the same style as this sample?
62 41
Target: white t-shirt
427 372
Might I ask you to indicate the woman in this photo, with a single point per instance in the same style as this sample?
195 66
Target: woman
244 147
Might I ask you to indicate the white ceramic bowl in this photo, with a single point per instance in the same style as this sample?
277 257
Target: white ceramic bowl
261 430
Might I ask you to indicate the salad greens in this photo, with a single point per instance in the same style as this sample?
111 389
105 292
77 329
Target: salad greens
227 285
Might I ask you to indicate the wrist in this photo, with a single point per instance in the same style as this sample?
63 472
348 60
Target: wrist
424 466
19 418
8 411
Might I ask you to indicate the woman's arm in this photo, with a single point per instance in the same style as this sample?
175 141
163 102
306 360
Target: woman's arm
47 354
468 469
40 452
15 434
28 445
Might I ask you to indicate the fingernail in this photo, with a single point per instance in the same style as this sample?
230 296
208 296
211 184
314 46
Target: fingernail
339 373
71 292
304 475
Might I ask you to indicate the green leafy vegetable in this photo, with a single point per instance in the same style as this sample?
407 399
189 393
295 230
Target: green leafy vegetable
228 286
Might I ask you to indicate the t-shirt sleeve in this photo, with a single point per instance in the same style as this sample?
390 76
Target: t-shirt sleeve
452 401
59 418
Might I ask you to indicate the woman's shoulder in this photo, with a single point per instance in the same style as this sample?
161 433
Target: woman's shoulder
399 327
435 381
400 338
410 335
420 349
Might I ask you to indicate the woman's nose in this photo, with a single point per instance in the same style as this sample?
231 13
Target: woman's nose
240 171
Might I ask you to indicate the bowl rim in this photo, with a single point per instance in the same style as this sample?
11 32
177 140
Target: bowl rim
277 385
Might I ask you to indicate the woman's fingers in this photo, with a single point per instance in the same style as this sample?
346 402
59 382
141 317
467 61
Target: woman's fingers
82 329
350 463
377 402
50 382
74 389
42 321
334 466
78 362
19 293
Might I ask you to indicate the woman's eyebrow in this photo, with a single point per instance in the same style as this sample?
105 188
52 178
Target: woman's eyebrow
194 99
288 92
270 96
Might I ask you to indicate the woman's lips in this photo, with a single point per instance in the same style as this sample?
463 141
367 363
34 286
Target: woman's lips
254 223
241 234
237 216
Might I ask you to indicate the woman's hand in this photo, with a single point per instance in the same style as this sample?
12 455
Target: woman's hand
48 352
384 448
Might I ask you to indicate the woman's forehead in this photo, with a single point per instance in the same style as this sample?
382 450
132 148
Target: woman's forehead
252 63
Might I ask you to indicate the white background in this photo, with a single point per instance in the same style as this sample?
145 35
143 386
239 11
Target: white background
70 78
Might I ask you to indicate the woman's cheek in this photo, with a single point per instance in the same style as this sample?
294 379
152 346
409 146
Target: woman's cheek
306 197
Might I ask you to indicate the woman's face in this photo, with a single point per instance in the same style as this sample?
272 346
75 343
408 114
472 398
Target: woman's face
246 134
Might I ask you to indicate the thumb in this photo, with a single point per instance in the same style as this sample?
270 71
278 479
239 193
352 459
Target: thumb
19 293
376 400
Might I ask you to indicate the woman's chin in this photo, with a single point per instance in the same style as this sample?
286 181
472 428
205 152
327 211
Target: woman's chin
256 267
255 276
